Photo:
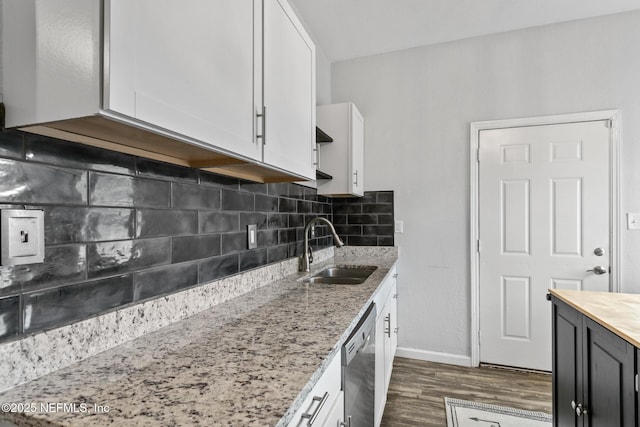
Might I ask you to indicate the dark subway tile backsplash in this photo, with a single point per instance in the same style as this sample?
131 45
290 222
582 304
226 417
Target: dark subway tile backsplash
110 258
161 281
234 242
54 307
9 317
219 222
67 224
194 247
62 264
31 183
60 153
153 169
120 229
12 145
154 222
266 203
120 190
237 200
217 267
195 197
252 259
367 221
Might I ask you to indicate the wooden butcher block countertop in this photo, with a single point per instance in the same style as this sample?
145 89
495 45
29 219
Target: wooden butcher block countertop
620 313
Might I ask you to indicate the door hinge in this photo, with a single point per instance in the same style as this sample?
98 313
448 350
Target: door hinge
608 123
478 155
478 246
636 383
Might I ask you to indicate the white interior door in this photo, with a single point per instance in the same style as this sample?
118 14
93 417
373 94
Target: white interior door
543 223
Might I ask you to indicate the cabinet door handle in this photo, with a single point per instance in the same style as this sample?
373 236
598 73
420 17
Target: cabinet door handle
387 329
264 126
347 424
312 416
356 181
580 410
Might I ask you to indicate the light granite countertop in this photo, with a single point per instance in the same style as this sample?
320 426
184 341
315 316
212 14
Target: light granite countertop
620 313
246 362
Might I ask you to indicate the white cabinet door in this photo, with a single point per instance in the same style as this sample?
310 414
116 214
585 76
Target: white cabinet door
357 152
343 158
380 389
319 403
386 341
391 341
289 91
336 414
187 67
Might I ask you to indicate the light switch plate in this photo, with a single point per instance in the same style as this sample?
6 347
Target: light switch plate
252 236
399 226
633 221
22 236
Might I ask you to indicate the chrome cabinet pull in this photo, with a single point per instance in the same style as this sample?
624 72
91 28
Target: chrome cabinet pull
347 424
312 416
395 276
264 126
356 182
387 329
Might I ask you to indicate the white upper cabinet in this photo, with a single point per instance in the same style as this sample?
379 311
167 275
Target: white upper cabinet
51 60
343 158
187 66
177 81
289 91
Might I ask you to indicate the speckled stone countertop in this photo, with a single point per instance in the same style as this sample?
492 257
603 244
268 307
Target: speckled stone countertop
245 362
620 313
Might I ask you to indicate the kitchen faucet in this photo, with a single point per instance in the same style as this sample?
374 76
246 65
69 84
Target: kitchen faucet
306 257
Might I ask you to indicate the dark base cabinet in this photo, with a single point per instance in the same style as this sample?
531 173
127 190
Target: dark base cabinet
594 373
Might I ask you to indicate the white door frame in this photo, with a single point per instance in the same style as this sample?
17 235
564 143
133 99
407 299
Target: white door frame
614 208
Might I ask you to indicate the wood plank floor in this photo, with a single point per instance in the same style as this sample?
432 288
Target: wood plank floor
417 391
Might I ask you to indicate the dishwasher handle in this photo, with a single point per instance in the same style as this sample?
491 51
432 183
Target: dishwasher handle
364 343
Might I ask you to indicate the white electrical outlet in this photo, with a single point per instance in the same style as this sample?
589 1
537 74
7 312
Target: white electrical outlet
399 226
22 233
252 236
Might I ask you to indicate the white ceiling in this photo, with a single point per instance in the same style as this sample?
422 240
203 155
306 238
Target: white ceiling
347 29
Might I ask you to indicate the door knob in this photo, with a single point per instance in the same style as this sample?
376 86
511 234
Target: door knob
597 270
598 251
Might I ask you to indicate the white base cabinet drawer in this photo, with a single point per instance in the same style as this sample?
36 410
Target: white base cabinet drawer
321 401
335 418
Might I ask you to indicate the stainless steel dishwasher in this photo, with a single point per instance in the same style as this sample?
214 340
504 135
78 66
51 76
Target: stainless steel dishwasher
358 372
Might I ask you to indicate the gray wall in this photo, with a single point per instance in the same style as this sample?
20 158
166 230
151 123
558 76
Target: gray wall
418 104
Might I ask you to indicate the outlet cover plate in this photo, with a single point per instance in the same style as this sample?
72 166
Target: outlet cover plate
252 236
633 221
22 236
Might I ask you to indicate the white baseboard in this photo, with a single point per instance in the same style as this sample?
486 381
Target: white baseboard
434 356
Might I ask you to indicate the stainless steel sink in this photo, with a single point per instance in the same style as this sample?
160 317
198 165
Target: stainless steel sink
341 275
